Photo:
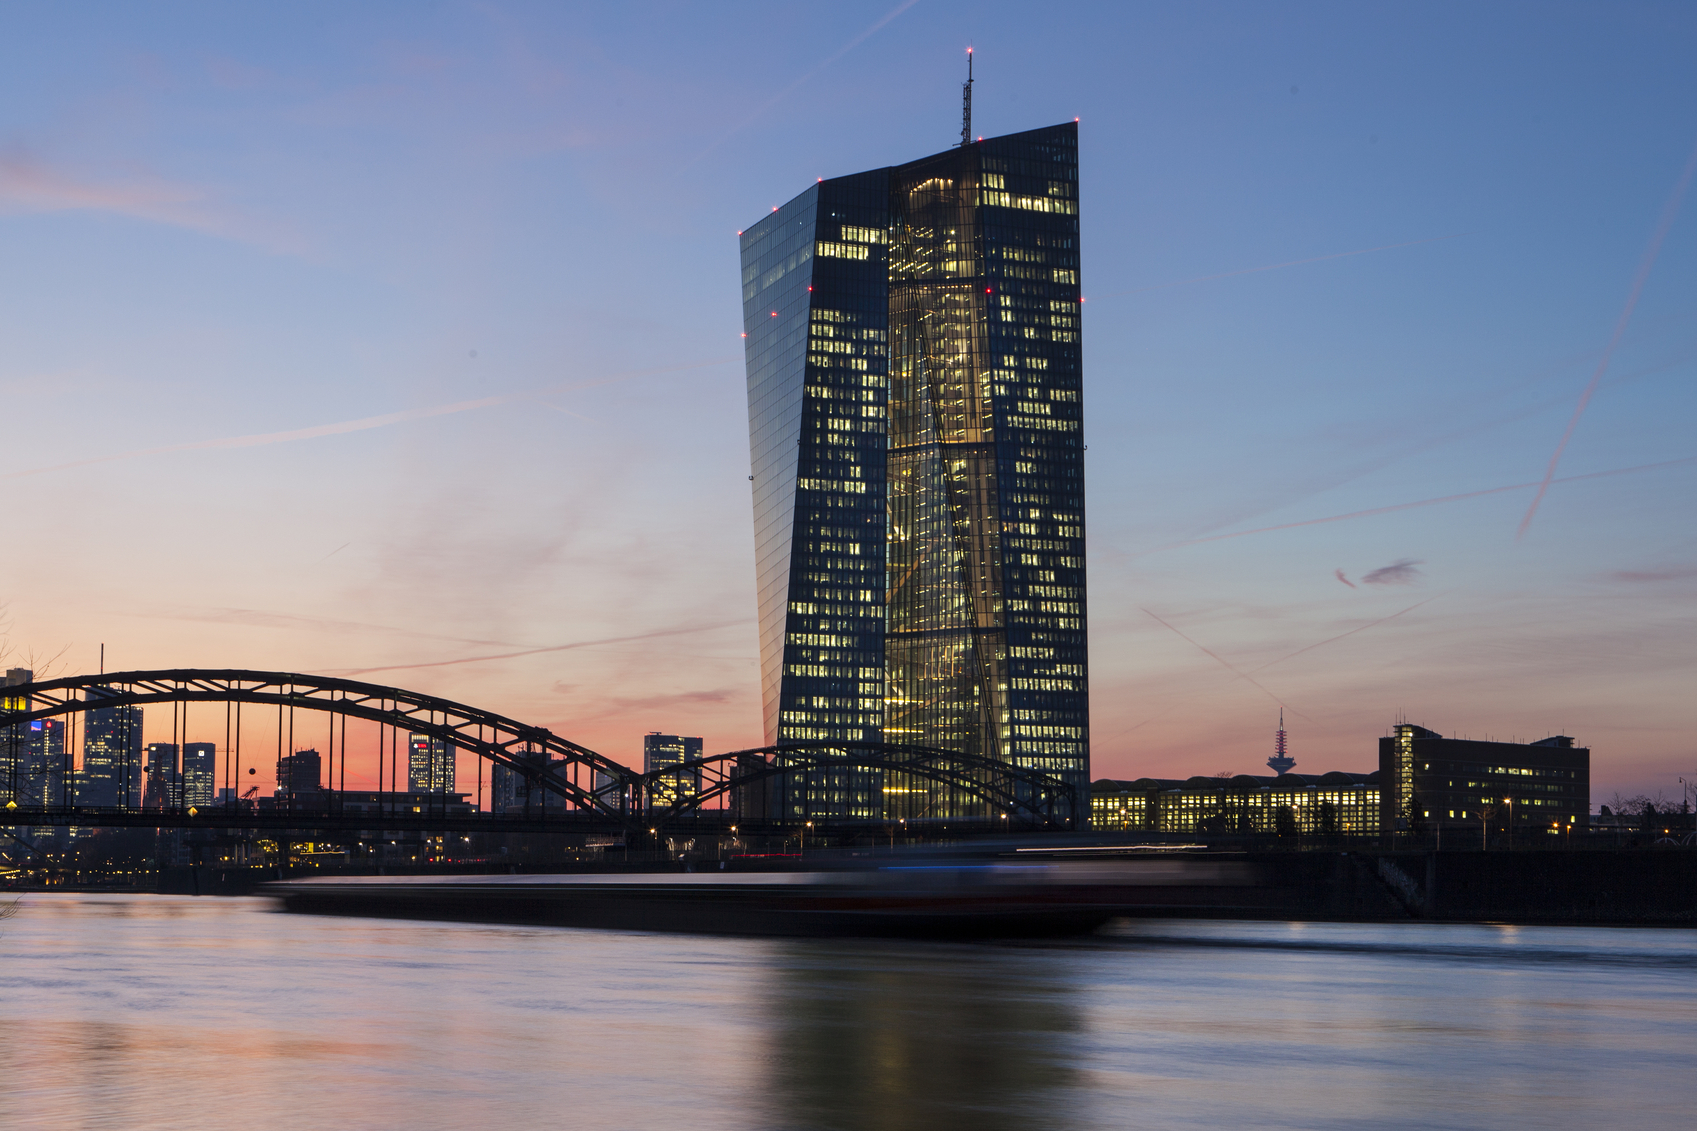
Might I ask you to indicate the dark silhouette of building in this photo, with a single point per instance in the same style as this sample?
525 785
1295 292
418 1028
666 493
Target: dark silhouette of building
1432 782
915 415
163 788
299 772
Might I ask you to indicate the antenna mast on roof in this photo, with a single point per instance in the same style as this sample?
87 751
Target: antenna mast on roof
966 102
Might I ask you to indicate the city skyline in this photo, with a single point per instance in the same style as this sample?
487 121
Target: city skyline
389 345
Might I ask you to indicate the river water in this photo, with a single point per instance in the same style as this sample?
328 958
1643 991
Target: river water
155 1011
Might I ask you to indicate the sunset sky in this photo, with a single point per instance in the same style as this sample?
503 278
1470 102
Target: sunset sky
401 341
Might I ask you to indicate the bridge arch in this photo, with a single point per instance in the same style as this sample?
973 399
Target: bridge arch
574 773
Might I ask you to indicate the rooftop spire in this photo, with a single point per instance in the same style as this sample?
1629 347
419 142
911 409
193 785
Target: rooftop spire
966 101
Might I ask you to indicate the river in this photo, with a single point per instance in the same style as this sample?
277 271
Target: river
134 1011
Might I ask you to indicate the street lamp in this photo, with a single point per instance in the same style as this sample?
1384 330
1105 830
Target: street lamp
1509 801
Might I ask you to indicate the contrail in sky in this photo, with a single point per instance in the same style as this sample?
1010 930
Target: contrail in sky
364 423
540 651
1351 632
1230 667
1670 211
1277 266
796 85
1417 503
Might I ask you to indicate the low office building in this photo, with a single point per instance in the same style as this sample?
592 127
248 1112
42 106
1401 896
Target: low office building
1334 804
1433 782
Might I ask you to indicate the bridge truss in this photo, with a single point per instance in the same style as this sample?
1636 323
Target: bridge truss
774 785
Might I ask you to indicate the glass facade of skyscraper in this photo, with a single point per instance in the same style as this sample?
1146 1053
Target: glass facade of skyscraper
660 754
916 430
199 773
430 764
111 755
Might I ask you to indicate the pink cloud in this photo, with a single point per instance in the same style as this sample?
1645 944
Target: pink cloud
29 184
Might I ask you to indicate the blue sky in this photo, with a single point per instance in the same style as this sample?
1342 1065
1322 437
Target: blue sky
500 240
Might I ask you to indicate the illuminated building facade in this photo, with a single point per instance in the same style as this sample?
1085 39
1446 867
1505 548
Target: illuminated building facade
1334 804
1439 783
199 773
661 752
33 761
111 755
430 764
915 417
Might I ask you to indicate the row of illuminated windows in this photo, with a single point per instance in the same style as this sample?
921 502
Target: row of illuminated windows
1509 771
832 250
833 361
1354 811
872 395
1005 387
1042 423
1028 543
816 608
1518 786
1063 275
1046 685
844 486
843 435
1019 605
1053 559
1027 255
1031 203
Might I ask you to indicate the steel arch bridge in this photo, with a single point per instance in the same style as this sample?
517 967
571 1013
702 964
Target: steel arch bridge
589 783
804 770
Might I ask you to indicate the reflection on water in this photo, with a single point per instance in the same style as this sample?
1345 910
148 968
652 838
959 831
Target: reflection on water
897 1036
143 1012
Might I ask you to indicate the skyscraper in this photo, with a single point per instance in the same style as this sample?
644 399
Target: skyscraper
915 418
111 760
661 752
164 787
199 773
430 765
300 772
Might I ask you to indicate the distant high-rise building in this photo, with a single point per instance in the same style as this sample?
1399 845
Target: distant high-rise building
515 791
430 765
163 789
915 415
32 755
199 773
14 740
662 752
112 754
299 772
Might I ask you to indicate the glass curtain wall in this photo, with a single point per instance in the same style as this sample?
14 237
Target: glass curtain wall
915 415
816 325
986 644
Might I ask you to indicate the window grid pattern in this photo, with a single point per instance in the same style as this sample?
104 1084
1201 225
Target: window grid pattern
916 431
